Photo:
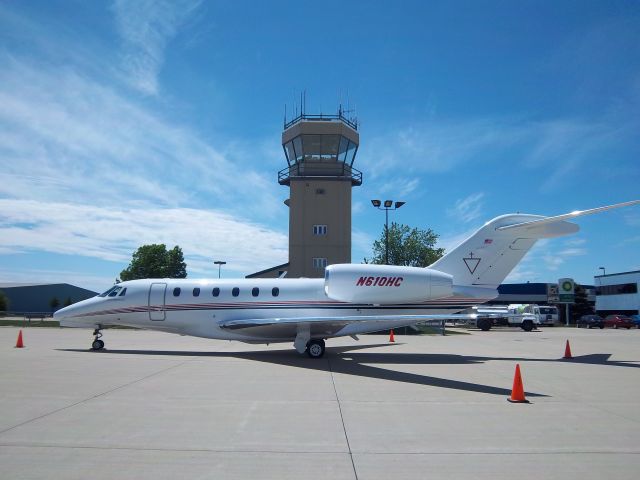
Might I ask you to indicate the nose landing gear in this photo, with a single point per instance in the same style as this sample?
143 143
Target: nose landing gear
97 343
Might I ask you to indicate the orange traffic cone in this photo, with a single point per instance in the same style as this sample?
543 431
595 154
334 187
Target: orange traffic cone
567 351
392 339
517 392
19 343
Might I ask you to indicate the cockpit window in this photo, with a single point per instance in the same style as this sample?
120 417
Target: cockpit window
114 291
110 291
123 292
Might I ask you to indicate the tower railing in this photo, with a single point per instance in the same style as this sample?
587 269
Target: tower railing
322 117
335 170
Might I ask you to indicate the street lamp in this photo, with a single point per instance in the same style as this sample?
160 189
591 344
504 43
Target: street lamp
219 263
388 205
604 272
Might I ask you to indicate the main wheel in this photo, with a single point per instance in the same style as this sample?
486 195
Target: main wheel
527 325
484 324
97 345
315 348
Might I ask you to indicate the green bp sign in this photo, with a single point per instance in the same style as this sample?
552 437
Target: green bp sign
566 290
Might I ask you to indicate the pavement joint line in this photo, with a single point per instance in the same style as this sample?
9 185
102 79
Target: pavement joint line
182 450
344 428
44 415
315 452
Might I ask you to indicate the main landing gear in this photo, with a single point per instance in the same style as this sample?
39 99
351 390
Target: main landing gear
315 348
97 343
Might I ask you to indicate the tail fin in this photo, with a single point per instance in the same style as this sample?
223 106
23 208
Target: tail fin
489 255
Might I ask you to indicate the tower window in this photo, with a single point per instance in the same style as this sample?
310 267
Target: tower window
319 229
319 191
319 262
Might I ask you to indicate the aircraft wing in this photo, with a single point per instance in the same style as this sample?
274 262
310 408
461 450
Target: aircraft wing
329 326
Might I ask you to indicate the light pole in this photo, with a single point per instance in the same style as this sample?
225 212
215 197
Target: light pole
388 205
604 272
219 263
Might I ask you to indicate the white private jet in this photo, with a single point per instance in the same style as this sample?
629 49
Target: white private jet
350 300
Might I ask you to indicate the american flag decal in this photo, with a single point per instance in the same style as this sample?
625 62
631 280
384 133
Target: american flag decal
488 241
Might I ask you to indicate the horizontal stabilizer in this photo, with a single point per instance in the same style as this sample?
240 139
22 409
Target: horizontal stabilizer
567 216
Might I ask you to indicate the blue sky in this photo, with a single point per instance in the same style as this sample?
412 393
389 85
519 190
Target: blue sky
132 122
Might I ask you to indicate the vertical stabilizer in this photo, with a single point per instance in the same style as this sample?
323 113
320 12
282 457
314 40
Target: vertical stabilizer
488 256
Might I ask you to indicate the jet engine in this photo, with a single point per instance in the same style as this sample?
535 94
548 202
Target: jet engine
385 284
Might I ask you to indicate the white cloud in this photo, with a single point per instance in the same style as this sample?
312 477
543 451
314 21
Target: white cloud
546 259
146 27
67 137
467 209
113 233
362 244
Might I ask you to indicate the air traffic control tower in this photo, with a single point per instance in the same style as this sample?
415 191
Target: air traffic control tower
320 151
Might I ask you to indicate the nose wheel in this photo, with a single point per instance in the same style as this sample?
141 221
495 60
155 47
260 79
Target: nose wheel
97 343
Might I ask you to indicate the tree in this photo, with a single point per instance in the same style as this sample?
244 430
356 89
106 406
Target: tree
154 261
54 303
407 246
4 302
581 304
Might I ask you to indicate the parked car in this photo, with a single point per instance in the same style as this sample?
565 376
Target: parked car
590 321
636 320
618 321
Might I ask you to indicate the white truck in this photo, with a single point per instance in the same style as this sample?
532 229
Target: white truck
546 314
488 316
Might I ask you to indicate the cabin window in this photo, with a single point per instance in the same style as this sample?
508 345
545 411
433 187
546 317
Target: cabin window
196 292
215 292
275 291
255 292
176 292
235 292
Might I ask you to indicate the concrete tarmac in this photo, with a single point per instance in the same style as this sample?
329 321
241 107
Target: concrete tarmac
161 406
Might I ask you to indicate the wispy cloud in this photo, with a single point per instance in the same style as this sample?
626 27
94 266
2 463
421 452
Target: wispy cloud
467 209
68 137
546 258
112 233
146 27
560 147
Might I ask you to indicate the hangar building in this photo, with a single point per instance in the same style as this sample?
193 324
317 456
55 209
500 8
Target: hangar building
36 297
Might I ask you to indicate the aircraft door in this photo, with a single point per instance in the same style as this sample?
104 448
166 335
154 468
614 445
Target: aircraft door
157 292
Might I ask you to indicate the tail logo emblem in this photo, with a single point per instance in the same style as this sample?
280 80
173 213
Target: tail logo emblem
471 263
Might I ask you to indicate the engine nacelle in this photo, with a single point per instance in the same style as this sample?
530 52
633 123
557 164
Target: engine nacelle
385 284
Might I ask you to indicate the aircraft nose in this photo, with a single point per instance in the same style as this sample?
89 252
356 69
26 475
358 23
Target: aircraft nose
62 313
